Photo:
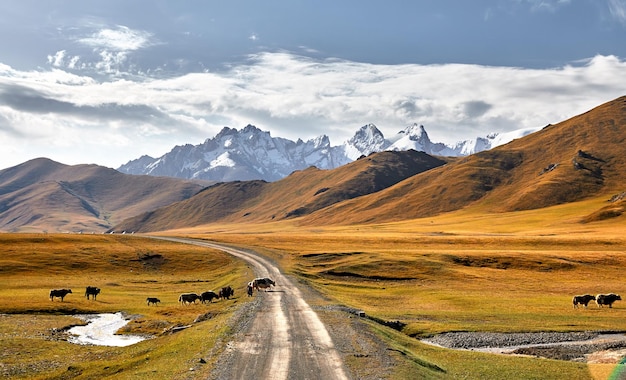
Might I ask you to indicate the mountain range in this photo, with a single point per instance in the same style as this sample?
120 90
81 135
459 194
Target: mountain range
250 153
567 162
577 159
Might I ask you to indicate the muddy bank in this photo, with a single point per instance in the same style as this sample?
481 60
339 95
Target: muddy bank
587 346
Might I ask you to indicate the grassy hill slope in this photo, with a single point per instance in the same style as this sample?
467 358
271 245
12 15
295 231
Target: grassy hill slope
301 193
43 195
578 158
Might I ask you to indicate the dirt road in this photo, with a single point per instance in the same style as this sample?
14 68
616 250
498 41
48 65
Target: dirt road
285 338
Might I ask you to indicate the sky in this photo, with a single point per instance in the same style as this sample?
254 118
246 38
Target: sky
93 82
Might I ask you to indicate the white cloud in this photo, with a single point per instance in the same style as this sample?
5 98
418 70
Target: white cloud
110 49
617 8
57 59
77 119
121 38
61 59
111 62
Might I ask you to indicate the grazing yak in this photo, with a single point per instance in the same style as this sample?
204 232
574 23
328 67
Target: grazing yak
92 291
61 293
226 292
152 300
208 296
187 298
263 283
607 299
582 300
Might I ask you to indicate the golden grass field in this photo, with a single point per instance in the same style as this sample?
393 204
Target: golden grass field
127 269
466 271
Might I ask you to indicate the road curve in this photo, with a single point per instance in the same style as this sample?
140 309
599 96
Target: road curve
286 339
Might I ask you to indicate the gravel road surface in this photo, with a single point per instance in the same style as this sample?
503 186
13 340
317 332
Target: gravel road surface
283 338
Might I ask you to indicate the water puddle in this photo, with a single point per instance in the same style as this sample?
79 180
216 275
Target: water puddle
100 331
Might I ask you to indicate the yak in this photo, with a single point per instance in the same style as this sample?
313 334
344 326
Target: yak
61 293
187 298
208 296
607 299
263 283
92 291
226 292
582 300
152 300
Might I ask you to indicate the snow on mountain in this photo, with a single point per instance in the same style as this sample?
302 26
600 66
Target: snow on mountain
254 154
239 155
498 139
368 139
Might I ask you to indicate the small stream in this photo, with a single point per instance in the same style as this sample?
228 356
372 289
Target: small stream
590 347
100 331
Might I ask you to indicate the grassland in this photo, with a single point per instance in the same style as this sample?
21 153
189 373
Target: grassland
466 271
127 269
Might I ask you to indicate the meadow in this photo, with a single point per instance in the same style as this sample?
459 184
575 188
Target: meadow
128 270
464 271
468 271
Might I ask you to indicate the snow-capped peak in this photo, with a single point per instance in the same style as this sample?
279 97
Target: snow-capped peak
415 130
254 154
366 140
412 137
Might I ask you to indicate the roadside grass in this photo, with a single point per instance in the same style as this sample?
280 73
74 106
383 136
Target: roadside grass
127 269
419 360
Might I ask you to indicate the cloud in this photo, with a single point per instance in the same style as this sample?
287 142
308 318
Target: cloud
545 5
24 99
617 8
475 108
115 120
60 59
121 38
109 52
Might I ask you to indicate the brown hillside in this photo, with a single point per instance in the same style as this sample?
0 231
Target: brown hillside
301 193
43 195
575 159
210 205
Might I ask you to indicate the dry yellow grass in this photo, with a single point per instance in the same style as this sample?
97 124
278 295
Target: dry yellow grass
450 282
461 271
127 269
467 271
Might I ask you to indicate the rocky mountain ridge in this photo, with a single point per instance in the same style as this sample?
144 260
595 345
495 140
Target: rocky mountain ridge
250 153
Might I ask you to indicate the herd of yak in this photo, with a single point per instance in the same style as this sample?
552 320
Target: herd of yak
185 298
601 299
90 291
266 283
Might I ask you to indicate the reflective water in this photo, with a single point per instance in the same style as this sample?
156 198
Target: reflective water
100 330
